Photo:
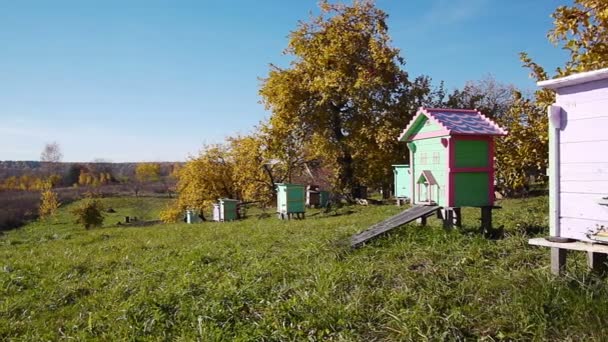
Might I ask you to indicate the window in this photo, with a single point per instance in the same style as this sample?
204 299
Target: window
423 158
435 157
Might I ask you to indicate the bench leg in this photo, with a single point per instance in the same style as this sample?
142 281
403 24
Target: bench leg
597 262
448 218
422 221
558 260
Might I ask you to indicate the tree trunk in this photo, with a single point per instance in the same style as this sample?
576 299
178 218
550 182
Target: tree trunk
346 171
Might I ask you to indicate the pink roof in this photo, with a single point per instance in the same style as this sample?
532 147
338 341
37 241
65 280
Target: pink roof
457 121
428 176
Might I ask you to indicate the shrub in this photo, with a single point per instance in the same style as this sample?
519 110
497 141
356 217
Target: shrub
49 201
172 213
89 213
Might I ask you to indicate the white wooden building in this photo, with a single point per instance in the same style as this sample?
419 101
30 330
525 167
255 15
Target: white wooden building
578 166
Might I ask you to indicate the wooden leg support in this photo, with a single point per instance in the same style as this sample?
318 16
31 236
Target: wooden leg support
457 217
486 220
558 260
451 217
422 221
448 218
597 262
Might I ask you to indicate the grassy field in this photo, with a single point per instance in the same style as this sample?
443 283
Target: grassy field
265 279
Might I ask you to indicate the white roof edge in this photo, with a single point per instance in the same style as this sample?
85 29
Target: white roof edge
575 79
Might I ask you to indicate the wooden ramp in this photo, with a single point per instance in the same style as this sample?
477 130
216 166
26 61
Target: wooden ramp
400 219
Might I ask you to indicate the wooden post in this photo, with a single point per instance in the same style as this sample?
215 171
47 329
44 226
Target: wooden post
448 218
486 219
457 217
558 260
597 262
422 221
451 217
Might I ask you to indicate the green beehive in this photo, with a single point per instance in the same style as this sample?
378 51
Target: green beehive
225 210
291 199
324 198
403 181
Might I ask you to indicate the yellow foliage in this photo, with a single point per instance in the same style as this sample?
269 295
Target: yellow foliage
203 180
344 97
172 213
49 201
147 172
582 30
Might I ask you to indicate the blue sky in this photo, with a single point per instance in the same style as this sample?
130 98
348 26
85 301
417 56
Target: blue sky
154 80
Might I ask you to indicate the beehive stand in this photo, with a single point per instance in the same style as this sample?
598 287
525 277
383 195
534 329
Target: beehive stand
596 254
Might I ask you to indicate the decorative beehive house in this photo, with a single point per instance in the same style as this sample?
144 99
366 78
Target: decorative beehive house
291 200
403 182
451 166
451 157
225 210
578 168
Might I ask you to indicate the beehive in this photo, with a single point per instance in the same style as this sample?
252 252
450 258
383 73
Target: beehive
291 199
451 157
225 210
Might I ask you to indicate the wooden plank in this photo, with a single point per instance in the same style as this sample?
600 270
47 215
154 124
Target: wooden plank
582 205
584 172
591 129
575 246
395 221
577 228
584 152
597 187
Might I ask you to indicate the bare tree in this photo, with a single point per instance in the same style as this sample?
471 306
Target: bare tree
51 153
50 156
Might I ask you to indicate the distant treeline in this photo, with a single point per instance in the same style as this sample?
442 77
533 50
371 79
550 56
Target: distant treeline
72 173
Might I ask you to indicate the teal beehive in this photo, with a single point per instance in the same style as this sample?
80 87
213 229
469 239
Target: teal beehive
323 198
291 200
403 181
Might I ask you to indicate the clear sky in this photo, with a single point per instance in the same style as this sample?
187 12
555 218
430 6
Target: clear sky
149 80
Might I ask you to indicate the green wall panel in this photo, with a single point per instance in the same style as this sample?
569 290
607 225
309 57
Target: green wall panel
471 153
471 189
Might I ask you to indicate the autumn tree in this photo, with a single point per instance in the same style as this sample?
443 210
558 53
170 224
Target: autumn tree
202 180
144 173
250 177
580 29
264 159
49 201
344 92
147 172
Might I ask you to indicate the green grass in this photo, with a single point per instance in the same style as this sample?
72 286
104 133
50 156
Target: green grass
265 279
